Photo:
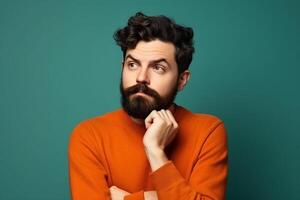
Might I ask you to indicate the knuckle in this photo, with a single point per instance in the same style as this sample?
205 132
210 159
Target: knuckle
153 111
175 125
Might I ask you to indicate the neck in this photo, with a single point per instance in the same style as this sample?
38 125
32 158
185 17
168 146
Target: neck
141 121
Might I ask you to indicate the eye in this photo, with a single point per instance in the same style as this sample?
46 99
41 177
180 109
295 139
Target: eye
159 68
132 65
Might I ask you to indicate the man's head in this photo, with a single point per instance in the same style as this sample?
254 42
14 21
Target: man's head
157 53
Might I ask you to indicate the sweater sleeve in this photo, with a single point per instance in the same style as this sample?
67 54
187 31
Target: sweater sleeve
135 196
208 177
87 176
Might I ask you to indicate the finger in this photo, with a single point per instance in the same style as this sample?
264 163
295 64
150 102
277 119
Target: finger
150 118
113 187
121 190
161 114
171 117
166 117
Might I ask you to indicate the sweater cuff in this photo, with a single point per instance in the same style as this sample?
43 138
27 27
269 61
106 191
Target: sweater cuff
135 196
165 176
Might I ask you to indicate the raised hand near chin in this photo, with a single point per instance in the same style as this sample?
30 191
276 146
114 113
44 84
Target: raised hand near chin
161 130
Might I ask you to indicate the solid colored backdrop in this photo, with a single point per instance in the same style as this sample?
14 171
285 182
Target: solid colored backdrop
59 65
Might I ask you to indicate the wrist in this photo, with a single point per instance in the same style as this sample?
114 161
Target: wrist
153 149
156 157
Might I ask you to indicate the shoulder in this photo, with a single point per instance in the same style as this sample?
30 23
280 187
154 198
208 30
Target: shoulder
213 128
92 125
200 120
200 125
205 128
208 121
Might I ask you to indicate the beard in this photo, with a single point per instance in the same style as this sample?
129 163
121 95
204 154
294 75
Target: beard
139 106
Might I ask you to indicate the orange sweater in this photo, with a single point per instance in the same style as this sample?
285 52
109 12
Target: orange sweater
108 150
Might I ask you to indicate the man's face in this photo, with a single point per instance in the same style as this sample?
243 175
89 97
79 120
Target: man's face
149 78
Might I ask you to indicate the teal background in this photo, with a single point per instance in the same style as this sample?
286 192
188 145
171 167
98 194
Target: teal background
59 65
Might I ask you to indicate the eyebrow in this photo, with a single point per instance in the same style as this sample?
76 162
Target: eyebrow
151 62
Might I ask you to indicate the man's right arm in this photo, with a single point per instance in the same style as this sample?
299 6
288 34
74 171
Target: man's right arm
87 175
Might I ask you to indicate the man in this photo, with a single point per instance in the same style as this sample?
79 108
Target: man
151 148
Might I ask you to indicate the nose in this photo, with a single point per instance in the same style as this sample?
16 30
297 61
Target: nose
142 76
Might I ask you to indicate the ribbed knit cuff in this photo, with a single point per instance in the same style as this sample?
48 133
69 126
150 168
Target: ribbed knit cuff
165 176
135 196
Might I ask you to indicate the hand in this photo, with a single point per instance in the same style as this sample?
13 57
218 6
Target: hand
150 195
117 193
161 129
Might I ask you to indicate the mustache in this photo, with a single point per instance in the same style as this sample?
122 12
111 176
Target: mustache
141 88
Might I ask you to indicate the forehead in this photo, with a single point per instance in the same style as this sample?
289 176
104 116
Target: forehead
153 50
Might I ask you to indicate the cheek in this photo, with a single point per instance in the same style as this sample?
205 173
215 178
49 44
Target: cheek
127 79
164 86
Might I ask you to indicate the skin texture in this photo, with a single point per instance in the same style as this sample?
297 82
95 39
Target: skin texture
153 63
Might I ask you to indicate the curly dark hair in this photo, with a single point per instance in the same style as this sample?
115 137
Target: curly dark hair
147 28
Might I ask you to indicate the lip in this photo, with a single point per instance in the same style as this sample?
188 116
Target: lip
141 94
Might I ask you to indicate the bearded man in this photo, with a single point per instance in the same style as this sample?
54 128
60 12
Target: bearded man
151 148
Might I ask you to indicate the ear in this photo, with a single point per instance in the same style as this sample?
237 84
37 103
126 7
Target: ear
183 79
